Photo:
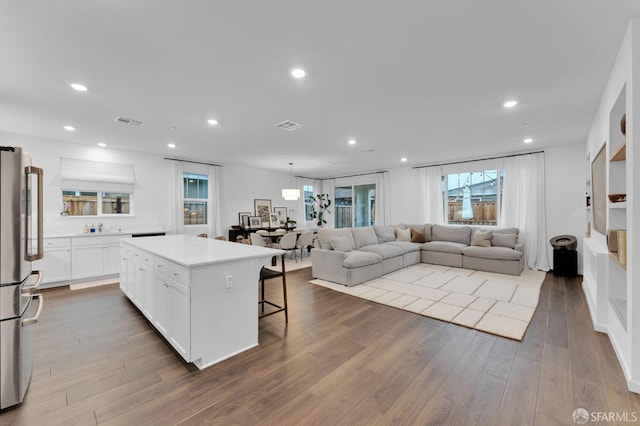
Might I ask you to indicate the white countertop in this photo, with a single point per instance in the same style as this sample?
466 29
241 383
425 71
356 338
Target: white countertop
190 251
97 234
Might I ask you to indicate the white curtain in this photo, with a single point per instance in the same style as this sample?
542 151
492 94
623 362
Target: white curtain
382 202
430 204
177 198
329 187
213 211
523 206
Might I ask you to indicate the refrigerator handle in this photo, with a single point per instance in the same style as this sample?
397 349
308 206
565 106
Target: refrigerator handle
33 287
34 319
31 170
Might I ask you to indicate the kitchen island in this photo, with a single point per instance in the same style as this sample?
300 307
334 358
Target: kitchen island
201 294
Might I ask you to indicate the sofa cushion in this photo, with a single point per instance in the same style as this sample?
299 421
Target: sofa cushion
385 233
504 240
387 250
325 234
340 244
403 234
358 259
444 246
364 236
498 253
424 228
506 230
418 236
454 234
406 246
482 239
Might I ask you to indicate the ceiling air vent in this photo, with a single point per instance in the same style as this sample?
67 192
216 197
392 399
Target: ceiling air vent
129 122
289 125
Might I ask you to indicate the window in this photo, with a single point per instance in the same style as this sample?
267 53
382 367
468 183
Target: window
308 193
355 205
94 203
94 188
196 197
473 197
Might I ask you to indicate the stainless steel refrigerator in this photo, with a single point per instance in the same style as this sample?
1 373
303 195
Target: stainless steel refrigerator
20 244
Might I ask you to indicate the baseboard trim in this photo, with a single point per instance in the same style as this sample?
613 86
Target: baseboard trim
97 283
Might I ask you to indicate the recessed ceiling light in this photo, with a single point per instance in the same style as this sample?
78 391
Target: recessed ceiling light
212 121
102 144
352 142
298 72
69 128
510 104
79 87
171 145
403 159
528 140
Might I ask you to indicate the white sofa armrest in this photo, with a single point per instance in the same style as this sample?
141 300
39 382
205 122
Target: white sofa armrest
327 265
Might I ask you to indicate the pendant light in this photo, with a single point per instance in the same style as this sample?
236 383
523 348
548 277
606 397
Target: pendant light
291 193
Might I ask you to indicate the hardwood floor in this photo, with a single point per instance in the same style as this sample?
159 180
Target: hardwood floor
341 360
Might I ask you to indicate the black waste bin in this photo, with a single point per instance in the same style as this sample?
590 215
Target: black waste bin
565 256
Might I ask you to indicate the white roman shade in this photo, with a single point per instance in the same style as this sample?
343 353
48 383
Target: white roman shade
85 175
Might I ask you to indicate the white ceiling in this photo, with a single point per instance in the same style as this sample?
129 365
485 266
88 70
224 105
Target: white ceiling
414 78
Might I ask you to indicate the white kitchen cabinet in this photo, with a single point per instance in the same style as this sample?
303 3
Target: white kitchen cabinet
95 256
138 284
149 306
163 304
179 329
56 262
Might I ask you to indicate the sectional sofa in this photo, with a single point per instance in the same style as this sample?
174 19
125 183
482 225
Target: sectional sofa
351 256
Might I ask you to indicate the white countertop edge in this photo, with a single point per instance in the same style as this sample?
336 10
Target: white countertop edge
175 249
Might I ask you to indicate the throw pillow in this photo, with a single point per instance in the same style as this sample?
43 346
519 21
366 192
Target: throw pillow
403 234
417 236
482 239
340 244
504 240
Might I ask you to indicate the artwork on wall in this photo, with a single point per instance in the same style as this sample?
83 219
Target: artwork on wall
255 222
599 190
282 215
262 208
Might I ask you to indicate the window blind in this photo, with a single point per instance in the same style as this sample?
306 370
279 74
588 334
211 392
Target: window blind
85 175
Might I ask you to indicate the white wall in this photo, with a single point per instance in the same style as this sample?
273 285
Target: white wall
239 186
565 189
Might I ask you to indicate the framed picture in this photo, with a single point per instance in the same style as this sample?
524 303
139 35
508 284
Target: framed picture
263 209
243 219
274 220
599 191
255 222
282 214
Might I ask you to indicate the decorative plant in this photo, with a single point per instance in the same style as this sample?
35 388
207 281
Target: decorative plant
320 204
289 223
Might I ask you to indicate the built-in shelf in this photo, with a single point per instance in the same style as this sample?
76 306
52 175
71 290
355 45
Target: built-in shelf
620 308
614 257
620 154
621 205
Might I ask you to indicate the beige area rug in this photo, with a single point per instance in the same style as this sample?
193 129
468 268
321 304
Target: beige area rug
496 303
291 264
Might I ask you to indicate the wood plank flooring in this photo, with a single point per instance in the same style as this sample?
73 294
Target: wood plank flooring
341 360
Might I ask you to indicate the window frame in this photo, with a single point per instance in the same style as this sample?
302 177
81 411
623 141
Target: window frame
187 175
470 168
99 201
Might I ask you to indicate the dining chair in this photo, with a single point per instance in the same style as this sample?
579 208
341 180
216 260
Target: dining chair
288 244
304 241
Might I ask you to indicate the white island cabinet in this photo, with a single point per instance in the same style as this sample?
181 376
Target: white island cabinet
201 294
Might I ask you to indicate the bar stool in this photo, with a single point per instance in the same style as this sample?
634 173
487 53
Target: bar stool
266 274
